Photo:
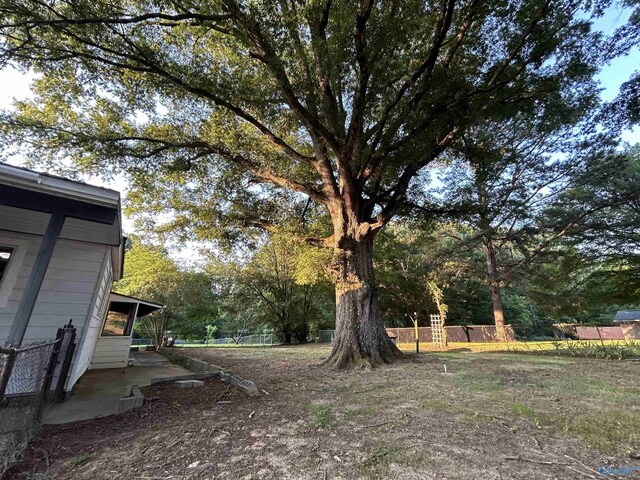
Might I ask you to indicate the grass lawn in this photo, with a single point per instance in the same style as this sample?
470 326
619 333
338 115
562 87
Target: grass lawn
577 348
493 415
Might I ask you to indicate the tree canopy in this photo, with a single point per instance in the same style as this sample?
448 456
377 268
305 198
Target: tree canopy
188 299
342 102
282 286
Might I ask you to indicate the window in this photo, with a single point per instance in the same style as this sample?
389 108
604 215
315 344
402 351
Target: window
5 257
119 320
12 253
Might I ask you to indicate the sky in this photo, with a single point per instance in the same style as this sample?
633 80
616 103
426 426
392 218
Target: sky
620 69
16 85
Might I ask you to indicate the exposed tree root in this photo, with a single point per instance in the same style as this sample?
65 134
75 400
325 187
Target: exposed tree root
354 356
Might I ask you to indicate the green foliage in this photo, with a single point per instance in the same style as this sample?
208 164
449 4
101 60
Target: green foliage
382 455
408 256
522 410
230 118
596 268
149 273
198 103
211 332
611 350
608 430
188 298
585 275
281 287
625 109
411 254
476 382
595 349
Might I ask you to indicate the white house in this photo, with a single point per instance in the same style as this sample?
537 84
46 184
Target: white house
61 249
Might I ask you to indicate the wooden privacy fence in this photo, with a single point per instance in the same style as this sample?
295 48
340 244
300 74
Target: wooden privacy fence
593 332
597 333
455 333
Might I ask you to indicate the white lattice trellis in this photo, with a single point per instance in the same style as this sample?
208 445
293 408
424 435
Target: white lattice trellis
437 331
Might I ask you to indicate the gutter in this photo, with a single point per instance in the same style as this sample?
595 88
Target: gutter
19 177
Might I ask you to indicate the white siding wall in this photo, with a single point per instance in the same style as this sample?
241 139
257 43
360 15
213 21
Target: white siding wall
94 322
111 352
67 292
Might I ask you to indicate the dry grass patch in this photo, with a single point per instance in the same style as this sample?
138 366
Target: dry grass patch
611 431
493 415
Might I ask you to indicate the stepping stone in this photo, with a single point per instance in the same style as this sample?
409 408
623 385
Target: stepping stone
183 383
246 386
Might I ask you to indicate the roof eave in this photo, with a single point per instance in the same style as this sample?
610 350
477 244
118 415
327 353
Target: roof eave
131 299
44 183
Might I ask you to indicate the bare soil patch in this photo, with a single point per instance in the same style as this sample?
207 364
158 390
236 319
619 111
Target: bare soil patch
491 416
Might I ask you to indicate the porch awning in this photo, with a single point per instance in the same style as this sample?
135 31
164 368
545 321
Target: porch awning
144 307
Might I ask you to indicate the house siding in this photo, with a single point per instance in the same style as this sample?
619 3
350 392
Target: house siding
67 292
111 352
32 222
94 321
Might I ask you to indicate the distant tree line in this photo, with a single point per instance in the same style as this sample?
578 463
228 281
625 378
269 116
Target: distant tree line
563 248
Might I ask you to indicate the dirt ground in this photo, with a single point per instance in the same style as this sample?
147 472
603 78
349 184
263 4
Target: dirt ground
490 416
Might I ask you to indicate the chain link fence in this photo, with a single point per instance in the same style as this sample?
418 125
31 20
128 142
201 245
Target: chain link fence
326 336
26 372
26 376
257 339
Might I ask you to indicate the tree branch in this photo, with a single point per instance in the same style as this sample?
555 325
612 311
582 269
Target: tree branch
400 188
267 55
354 132
65 21
440 32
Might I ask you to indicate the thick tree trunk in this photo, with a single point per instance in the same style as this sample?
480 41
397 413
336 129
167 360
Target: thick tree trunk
496 291
498 313
360 337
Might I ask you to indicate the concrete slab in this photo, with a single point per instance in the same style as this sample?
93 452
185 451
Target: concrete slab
101 393
79 408
143 376
180 357
144 358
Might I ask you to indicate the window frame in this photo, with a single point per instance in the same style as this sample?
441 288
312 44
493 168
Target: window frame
131 318
12 252
14 266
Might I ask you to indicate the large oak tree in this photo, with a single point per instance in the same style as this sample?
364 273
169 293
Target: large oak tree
343 101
